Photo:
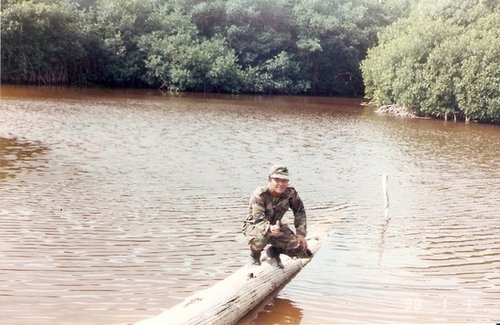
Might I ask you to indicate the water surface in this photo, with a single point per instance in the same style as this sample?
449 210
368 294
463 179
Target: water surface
115 205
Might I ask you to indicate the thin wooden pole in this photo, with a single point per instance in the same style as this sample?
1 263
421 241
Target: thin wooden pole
385 178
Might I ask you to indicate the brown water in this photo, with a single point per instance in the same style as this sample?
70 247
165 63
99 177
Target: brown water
115 205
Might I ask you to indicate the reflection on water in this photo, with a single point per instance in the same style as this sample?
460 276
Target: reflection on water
118 204
14 151
279 311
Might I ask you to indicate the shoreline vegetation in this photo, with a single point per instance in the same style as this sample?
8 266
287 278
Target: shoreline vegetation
395 110
299 47
402 111
441 59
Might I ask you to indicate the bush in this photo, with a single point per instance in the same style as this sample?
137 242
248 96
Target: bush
442 59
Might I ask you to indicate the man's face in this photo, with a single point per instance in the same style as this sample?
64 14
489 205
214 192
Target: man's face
278 185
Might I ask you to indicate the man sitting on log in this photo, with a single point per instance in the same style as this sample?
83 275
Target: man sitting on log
263 226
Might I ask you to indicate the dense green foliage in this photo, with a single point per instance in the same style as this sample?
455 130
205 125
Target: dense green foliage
42 43
444 58
259 46
433 57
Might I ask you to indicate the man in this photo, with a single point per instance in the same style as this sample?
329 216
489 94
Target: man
263 225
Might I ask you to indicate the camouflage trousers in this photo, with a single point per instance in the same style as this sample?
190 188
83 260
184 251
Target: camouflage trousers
286 242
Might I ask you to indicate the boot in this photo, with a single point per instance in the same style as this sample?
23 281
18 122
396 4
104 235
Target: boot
274 252
297 252
254 256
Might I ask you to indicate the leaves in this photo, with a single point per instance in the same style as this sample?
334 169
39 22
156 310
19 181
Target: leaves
27 29
255 46
443 58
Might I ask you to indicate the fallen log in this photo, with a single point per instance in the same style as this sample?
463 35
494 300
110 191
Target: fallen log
231 299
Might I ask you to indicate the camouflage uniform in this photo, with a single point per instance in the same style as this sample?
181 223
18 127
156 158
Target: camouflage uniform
264 211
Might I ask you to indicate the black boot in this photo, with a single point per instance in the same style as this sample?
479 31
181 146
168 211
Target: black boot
254 256
298 252
274 252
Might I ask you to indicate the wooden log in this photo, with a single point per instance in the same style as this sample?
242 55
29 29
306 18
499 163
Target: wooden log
231 299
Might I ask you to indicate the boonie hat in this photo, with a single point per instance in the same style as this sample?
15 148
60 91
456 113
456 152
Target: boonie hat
279 171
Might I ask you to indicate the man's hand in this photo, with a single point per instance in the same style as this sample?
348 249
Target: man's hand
275 229
302 242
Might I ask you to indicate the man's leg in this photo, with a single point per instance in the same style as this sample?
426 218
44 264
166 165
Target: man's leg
257 244
283 244
274 252
257 240
287 241
288 244
255 255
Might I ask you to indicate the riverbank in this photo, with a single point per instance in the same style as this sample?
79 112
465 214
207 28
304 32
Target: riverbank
393 109
396 110
399 110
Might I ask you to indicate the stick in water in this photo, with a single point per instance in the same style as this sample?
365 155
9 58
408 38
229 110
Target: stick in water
386 195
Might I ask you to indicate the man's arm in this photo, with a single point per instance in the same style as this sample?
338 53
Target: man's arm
300 220
299 213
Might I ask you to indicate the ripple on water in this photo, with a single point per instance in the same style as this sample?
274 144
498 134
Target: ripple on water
116 208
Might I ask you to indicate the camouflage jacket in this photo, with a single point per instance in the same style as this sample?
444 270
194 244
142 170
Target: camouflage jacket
264 210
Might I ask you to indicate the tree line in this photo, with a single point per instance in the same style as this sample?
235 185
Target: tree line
443 59
250 46
438 58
